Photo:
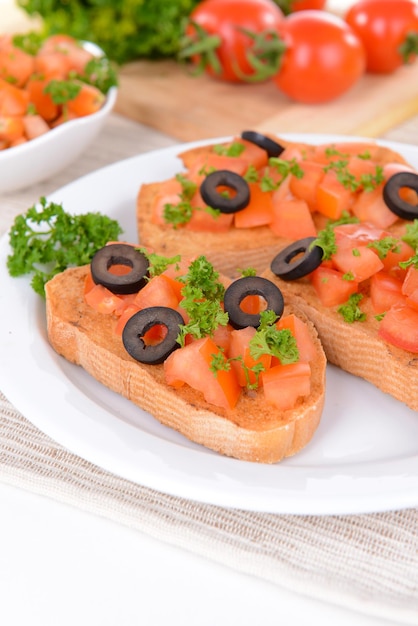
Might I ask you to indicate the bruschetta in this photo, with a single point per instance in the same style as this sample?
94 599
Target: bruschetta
227 363
240 201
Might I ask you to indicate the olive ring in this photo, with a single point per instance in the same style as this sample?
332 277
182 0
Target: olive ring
273 148
310 258
210 194
140 323
251 286
391 196
120 254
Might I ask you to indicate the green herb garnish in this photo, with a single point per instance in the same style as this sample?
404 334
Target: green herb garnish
46 240
351 311
270 340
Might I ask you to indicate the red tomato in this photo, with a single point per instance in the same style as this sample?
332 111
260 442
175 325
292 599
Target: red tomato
290 6
323 58
385 291
241 34
332 289
284 384
400 327
191 365
388 30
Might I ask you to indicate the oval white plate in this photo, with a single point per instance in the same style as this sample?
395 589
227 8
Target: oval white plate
363 457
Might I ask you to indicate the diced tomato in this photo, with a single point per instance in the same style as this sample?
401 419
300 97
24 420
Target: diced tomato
284 384
222 337
240 349
332 289
402 252
292 219
191 365
305 188
11 128
34 126
252 304
168 193
259 211
409 195
326 153
72 55
399 327
300 332
157 292
410 287
332 198
16 65
13 100
253 154
369 206
43 103
88 100
212 161
358 167
103 300
204 220
385 291
357 234
361 262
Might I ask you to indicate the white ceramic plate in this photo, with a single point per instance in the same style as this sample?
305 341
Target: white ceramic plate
363 457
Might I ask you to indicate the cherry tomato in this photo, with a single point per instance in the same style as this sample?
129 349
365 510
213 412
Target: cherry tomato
388 30
290 6
323 58
234 40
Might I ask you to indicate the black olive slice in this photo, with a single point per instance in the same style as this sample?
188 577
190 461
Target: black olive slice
225 178
273 148
251 286
140 323
120 254
391 196
309 259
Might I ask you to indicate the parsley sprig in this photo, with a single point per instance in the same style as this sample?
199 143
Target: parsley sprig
46 240
202 297
273 341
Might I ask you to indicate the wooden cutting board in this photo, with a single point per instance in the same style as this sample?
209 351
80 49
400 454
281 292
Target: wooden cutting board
166 97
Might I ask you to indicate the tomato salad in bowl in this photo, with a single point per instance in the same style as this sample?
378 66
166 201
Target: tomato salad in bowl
55 95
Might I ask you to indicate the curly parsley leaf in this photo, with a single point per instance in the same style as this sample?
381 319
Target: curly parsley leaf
270 340
202 297
351 311
46 240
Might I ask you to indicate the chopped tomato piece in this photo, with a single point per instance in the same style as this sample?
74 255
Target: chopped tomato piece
240 349
125 315
191 365
305 188
11 128
410 287
369 206
361 262
43 103
332 289
332 198
168 193
103 300
385 291
399 327
292 219
88 100
13 100
357 234
259 211
204 220
402 252
253 154
34 126
284 384
16 65
300 332
212 161
157 292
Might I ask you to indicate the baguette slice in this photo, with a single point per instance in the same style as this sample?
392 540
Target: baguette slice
237 247
252 431
356 347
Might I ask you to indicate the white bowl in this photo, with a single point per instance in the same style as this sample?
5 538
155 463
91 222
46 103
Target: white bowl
41 158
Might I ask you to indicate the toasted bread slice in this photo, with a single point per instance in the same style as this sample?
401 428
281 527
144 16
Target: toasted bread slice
252 431
356 347
235 248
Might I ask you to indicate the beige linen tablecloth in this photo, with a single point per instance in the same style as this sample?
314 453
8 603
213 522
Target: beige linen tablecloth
363 562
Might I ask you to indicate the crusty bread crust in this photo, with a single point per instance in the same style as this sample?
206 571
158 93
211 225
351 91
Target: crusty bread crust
252 431
234 249
356 347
